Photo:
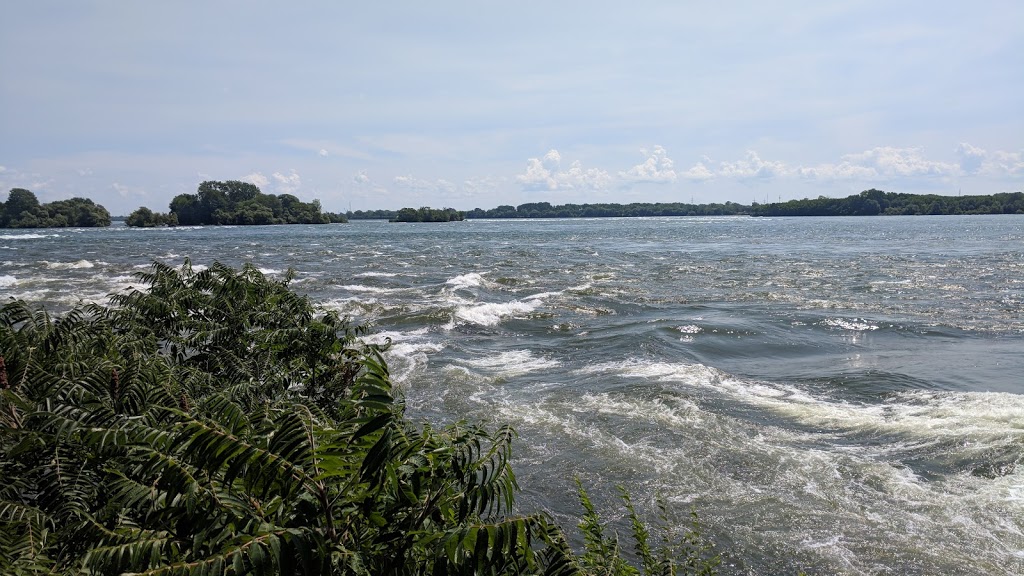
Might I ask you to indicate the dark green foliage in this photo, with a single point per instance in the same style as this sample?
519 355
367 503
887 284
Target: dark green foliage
427 214
872 202
215 422
546 210
242 203
146 218
680 551
23 210
373 215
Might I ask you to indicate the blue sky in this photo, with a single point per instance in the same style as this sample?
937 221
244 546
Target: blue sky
476 104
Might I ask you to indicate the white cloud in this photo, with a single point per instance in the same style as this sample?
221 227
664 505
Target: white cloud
546 174
752 167
323 153
840 171
997 164
971 157
881 163
658 167
287 183
3 169
1002 163
127 191
699 172
552 160
361 178
900 162
421 185
258 179
277 183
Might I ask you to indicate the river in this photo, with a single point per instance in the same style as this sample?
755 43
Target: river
837 395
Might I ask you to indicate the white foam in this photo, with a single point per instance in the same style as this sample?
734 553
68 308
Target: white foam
409 352
684 416
7 281
385 335
695 374
349 305
856 324
512 363
270 271
490 314
30 236
69 265
689 329
376 275
470 280
361 288
844 494
980 419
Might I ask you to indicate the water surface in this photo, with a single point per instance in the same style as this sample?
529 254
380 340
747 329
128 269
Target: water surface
838 395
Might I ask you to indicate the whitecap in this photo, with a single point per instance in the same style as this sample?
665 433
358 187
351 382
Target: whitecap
856 324
977 421
69 265
512 363
29 236
376 275
470 280
491 313
7 281
361 288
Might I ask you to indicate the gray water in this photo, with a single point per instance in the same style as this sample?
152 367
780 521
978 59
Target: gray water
837 395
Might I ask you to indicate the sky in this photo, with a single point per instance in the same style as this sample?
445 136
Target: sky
382 105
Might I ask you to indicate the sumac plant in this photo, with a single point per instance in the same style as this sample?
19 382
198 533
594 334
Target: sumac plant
216 422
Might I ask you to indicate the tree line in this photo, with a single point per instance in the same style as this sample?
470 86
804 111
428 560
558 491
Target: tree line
427 214
547 210
242 203
215 422
608 210
234 202
877 202
23 210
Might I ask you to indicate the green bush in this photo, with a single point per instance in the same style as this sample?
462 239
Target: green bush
216 422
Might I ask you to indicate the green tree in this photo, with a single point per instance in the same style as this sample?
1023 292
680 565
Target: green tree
143 217
186 209
20 201
23 210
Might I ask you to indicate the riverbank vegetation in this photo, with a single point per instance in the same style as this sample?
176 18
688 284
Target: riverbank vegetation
215 422
23 210
868 203
876 202
547 210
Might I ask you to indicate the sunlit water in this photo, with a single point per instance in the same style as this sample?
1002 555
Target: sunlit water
841 396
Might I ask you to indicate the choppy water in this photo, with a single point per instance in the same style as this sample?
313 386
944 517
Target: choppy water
837 395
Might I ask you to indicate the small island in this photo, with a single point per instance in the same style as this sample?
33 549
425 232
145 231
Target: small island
427 214
23 210
234 203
